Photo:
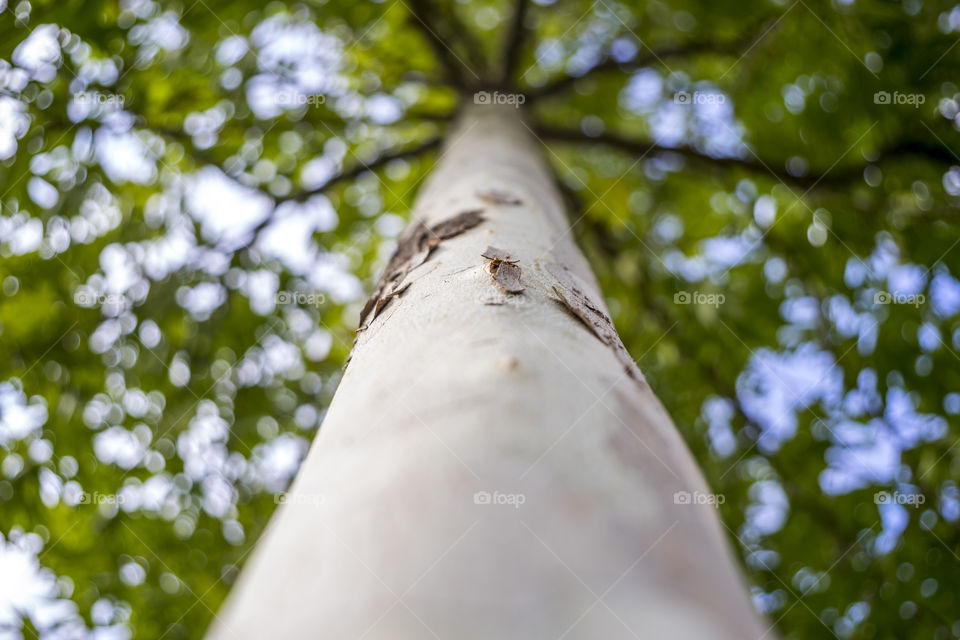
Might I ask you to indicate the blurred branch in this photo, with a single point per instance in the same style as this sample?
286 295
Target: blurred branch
422 14
430 116
639 147
430 81
740 46
348 174
514 42
363 167
459 32
645 147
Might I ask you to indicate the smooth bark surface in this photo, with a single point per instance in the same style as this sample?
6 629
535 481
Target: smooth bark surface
458 391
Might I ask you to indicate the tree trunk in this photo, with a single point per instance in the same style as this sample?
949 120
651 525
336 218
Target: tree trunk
493 465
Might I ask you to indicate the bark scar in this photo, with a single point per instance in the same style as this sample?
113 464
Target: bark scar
504 269
413 250
571 297
497 197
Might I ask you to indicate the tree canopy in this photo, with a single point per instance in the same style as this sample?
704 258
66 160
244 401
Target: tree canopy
196 195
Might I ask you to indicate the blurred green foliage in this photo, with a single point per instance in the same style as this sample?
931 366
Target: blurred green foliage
794 189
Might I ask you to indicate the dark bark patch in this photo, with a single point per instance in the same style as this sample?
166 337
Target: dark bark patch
497 197
580 312
456 225
367 308
564 277
382 303
507 275
505 271
571 297
414 249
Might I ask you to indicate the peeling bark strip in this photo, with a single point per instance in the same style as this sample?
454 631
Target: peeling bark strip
456 225
504 270
571 296
492 253
507 275
394 292
412 251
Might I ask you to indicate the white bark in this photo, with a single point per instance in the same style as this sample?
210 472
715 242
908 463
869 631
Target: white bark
447 395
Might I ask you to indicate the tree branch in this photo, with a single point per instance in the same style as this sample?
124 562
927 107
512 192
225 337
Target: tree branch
454 68
459 32
646 57
513 43
842 175
348 174
363 167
